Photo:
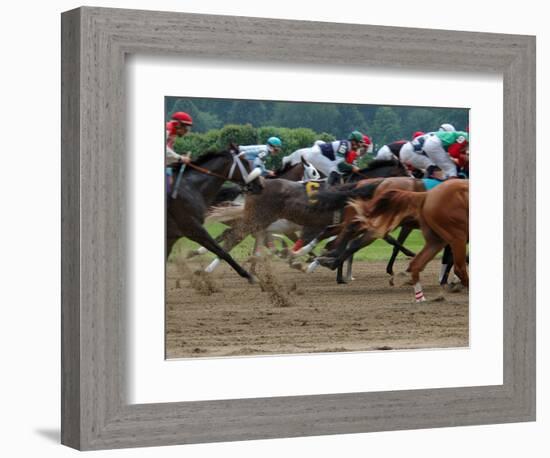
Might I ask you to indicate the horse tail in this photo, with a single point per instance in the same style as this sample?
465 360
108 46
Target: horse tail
225 213
386 211
335 200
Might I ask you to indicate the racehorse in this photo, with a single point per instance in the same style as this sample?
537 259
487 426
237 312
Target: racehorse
303 171
443 216
315 156
351 238
283 199
186 207
348 230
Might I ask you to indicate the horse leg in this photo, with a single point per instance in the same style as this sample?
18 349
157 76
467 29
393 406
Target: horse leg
339 274
302 250
216 261
173 234
459 255
269 242
259 240
446 264
353 247
219 240
200 235
347 235
349 276
403 234
433 245
391 241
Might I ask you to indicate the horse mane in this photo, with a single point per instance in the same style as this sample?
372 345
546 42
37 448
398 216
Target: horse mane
203 158
336 198
377 164
387 210
285 168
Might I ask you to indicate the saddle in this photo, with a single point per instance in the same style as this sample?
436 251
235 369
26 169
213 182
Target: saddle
430 183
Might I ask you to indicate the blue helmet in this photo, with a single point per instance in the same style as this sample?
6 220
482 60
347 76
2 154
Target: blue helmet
275 141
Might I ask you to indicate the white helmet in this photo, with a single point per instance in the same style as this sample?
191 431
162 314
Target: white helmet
446 127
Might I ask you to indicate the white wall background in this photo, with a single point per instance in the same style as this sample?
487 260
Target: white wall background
30 246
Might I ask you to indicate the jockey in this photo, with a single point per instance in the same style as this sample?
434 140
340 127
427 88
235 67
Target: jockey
176 129
390 151
412 154
439 145
393 150
343 154
258 154
179 125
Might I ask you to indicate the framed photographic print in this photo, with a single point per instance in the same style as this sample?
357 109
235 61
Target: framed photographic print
233 189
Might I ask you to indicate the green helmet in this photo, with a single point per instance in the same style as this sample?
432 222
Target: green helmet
275 141
356 136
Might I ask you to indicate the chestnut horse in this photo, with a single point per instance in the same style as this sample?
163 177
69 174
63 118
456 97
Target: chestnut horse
443 216
351 237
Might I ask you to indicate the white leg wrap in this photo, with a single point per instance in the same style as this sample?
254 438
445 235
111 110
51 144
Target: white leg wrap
418 293
306 249
311 268
348 271
215 263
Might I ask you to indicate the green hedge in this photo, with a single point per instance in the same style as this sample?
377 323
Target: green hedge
246 134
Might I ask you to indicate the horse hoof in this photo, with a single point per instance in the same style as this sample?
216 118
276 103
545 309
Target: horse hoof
252 279
311 267
455 287
328 262
391 282
401 279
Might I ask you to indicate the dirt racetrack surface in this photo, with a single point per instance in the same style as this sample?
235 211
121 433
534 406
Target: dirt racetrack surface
287 311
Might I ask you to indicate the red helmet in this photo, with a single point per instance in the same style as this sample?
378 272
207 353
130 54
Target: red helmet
183 118
418 133
366 140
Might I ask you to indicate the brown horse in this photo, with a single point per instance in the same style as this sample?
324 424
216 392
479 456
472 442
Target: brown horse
443 216
351 236
283 199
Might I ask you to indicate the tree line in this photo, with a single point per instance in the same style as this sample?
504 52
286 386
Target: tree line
246 134
383 124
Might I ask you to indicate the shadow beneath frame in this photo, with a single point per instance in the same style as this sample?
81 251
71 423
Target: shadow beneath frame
53 435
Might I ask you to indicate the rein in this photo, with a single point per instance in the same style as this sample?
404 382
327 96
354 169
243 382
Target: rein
208 172
236 161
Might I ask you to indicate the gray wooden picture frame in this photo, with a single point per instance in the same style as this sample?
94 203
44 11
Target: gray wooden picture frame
95 412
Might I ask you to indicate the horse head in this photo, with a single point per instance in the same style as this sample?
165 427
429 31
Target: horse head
310 172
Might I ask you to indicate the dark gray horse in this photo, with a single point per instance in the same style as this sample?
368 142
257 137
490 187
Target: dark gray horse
200 183
283 199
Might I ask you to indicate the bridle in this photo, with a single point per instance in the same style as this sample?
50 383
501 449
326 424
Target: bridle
236 163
